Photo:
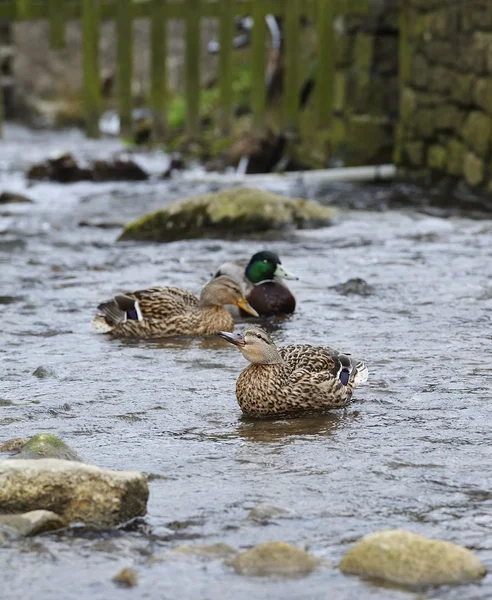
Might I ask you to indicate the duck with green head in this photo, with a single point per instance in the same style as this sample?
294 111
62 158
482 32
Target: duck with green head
261 282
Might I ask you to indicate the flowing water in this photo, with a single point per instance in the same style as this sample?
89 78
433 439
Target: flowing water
413 450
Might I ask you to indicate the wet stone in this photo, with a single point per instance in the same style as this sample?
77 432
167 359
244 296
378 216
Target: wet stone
354 287
264 512
32 523
13 445
274 559
406 558
44 373
126 578
205 551
14 198
45 445
242 211
75 491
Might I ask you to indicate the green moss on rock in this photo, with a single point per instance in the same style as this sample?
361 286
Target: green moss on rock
477 131
473 169
227 213
436 158
45 445
456 157
409 559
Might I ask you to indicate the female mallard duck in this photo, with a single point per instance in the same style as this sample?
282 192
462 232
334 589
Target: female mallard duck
260 280
168 311
292 379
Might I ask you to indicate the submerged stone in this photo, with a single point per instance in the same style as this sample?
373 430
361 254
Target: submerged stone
126 578
32 523
406 558
73 490
264 511
355 286
205 551
44 373
46 445
234 212
13 445
274 558
14 198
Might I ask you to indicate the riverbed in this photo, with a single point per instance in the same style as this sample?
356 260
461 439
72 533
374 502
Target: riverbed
413 450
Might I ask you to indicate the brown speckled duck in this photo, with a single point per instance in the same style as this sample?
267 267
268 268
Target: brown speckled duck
292 379
169 311
261 284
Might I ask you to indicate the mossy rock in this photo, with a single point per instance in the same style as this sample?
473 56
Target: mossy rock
242 211
274 558
409 559
45 445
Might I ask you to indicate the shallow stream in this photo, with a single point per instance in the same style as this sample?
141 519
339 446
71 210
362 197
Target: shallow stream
413 451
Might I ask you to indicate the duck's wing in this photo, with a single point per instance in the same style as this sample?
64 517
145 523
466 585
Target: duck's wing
308 361
161 302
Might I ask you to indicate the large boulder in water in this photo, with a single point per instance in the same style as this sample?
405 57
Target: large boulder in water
229 213
73 490
406 558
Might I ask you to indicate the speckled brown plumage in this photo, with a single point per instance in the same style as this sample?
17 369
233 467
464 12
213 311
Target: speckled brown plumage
171 311
293 379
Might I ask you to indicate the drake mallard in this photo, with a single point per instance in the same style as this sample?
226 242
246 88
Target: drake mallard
168 311
261 284
292 379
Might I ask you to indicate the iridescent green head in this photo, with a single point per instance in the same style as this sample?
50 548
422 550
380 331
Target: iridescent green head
264 266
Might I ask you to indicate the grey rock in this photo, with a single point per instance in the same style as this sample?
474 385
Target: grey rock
236 212
32 523
14 198
75 491
264 511
405 558
274 559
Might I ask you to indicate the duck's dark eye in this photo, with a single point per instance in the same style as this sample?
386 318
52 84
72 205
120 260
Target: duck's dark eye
265 261
258 336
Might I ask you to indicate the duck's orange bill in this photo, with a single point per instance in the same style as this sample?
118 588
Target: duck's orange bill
246 306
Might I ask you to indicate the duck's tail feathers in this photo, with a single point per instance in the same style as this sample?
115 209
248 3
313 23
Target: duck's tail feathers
361 373
117 311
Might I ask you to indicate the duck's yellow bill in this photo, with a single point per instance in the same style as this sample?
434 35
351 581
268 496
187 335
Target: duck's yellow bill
246 306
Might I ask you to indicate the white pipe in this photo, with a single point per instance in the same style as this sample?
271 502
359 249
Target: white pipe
370 173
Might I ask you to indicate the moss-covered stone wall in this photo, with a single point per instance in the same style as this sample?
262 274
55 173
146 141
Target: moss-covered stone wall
447 99
366 86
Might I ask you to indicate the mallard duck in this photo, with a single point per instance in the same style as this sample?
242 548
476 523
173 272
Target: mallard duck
260 281
168 311
292 379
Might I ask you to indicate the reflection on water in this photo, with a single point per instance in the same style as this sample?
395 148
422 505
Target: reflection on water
411 452
277 430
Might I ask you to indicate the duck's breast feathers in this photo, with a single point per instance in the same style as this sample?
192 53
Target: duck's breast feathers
272 298
163 301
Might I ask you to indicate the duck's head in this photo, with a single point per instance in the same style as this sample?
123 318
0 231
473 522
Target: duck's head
264 266
255 345
224 290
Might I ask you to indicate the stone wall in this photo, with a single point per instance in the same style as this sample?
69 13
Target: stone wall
447 100
366 86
